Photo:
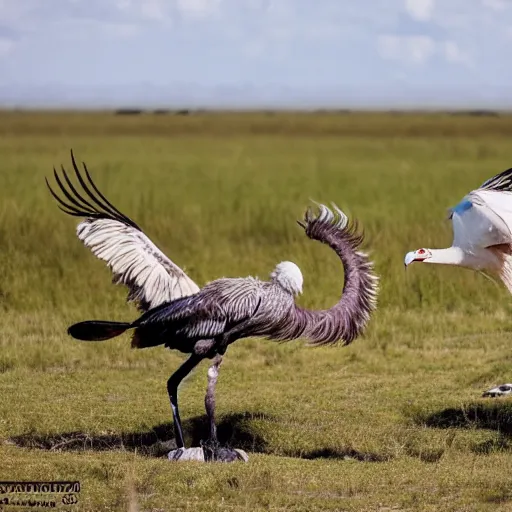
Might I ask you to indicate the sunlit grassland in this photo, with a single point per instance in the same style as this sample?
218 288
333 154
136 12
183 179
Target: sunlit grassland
393 420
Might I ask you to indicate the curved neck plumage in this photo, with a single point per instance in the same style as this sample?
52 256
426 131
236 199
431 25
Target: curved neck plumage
347 319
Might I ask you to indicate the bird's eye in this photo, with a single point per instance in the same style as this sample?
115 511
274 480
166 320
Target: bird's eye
504 388
421 251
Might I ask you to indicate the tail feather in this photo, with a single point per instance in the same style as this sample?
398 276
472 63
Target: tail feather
504 254
506 272
97 330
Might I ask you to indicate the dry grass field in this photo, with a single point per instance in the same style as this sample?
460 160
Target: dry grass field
392 422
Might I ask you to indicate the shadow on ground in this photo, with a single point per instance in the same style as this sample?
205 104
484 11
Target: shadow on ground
234 430
493 415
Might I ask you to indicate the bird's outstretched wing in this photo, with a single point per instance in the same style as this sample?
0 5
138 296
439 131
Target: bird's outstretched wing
502 182
482 219
135 261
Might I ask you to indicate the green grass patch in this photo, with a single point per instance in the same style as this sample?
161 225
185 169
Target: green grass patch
392 422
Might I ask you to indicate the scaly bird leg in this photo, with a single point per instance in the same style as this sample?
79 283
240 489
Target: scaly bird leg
211 448
172 389
209 399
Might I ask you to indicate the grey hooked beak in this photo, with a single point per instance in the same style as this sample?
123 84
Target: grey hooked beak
409 258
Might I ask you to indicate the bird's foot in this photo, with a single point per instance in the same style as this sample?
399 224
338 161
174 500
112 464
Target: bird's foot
208 452
214 452
186 454
503 390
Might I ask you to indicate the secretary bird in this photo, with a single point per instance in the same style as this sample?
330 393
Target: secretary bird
482 238
204 322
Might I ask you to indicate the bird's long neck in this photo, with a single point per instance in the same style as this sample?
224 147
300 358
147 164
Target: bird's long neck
449 256
456 256
347 319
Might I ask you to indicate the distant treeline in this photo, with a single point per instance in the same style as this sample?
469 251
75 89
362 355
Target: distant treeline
313 123
136 112
187 112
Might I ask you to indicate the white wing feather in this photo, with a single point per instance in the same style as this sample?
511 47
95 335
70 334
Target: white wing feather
483 219
498 208
135 261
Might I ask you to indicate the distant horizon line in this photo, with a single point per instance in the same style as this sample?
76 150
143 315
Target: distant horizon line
183 110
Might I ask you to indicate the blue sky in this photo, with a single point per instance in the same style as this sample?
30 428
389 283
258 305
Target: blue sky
310 52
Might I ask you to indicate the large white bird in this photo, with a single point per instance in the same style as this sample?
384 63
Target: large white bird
482 234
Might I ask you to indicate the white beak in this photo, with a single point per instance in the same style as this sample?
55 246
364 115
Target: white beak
409 258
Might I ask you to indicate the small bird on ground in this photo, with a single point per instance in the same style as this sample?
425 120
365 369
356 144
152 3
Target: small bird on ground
203 322
503 390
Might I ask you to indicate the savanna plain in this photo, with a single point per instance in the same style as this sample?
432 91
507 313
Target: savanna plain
394 421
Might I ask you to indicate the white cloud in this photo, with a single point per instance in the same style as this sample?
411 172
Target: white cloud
414 49
119 30
367 41
280 9
163 10
198 8
6 46
420 10
153 9
496 5
453 53
322 32
141 10
12 11
419 49
255 49
280 33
